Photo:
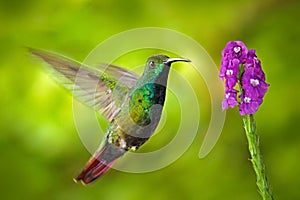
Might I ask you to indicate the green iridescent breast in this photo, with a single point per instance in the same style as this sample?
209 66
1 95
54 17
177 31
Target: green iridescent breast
140 103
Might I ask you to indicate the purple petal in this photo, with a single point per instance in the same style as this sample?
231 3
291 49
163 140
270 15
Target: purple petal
230 82
223 68
252 83
235 49
252 62
248 105
257 91
230 99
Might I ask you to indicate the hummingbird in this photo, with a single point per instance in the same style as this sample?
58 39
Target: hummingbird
132 104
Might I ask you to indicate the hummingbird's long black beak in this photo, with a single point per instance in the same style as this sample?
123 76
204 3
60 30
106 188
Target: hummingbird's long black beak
169 61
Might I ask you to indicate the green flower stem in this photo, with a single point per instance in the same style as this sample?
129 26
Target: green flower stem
256 158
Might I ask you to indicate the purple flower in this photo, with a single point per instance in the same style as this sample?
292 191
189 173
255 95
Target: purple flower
252 62
252 83
235 49
235 57
249 105
231 73
223 68
230 99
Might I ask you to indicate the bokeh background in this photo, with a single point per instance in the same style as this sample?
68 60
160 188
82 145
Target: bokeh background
40 150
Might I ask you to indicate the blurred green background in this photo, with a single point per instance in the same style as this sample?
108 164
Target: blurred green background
40 149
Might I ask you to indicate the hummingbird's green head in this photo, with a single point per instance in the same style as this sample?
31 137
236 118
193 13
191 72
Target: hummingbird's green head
159 65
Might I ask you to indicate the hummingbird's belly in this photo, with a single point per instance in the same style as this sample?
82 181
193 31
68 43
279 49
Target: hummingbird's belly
129 135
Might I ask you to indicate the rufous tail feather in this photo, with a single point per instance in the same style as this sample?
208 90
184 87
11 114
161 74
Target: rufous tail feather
100 163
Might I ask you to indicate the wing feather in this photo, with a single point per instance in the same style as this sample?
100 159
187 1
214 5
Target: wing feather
104 88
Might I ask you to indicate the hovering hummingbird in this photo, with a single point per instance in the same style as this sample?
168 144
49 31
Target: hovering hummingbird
132 104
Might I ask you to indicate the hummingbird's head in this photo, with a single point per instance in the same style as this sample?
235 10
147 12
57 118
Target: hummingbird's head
159 65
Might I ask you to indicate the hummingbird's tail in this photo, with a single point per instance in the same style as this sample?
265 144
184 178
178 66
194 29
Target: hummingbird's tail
100 163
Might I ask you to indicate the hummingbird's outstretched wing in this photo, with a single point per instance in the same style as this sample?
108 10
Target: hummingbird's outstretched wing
104 88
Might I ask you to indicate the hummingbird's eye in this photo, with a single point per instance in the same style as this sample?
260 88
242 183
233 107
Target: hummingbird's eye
152 64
